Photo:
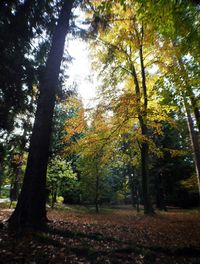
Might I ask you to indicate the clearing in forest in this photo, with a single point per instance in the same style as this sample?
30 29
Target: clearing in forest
78 235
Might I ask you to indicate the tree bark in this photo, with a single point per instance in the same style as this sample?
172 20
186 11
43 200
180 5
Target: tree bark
144 149
97 192
160 193
14 191
195 144
131 184
142 106
145 178
148 209
134 188
53 195
190 93
31 207
1 166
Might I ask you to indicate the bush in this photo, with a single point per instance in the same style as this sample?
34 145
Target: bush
59 199
119 197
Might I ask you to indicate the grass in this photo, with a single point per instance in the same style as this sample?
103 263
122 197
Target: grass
82 209
6 205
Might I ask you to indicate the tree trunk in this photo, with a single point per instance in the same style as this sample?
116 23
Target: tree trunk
53 195
132 185
145 179
31 206
142 105
132 189
190 93
160 193
137 198
148 209
1 180
14 191
1 167
97 193
195 144
144 149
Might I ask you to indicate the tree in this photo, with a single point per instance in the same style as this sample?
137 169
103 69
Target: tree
179 41
21 22
125 48
31 208
16 70
92 145
60 175
180 79
132 37
175 163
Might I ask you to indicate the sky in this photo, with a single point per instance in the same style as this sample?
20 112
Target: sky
79 70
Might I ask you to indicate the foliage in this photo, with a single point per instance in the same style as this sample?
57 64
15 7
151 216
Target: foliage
147 70
21 24
190 184
60 177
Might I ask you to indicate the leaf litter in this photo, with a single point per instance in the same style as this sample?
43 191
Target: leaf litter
117 236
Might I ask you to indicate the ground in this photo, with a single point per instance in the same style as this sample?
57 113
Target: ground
78 235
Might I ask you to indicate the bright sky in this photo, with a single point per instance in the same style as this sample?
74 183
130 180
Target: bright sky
79 71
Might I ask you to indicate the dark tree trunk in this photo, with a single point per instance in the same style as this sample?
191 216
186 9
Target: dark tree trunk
160 193
96 206
97 193
31 206
1 166
137 198
53 195
148 209
142 106
1 180
145 179
144 149
134 188
14 191
16 165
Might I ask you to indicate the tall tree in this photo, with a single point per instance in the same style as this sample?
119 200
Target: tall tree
177 27
126 46
179 34
20 23
31 207
16 71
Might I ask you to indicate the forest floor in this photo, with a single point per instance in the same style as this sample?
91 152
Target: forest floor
117 236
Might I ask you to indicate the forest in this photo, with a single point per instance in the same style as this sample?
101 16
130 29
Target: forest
116 181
